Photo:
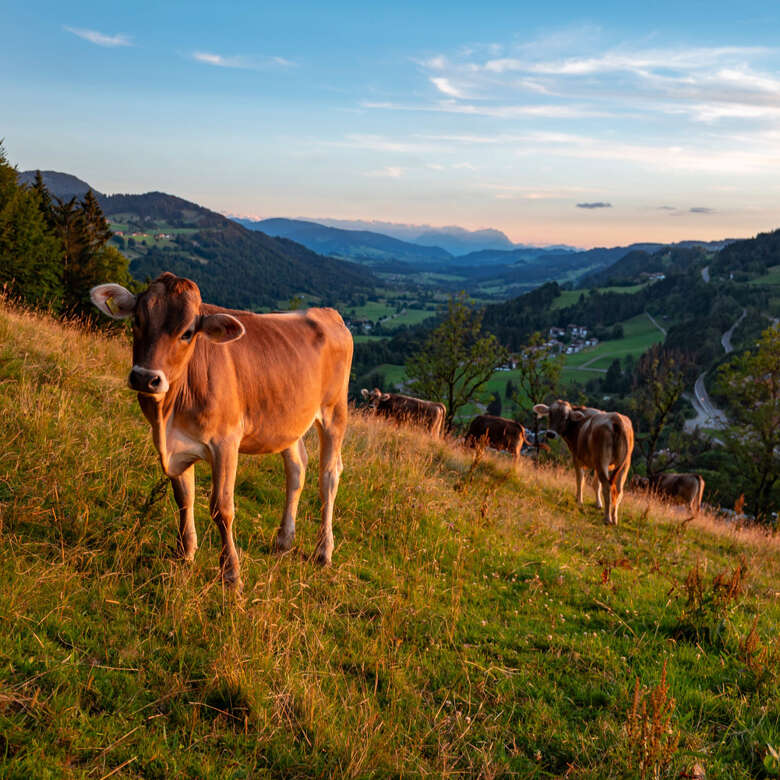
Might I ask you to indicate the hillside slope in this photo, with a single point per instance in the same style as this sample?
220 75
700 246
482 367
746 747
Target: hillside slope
475 621
233 266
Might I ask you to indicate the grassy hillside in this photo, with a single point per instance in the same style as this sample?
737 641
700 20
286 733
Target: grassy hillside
475 622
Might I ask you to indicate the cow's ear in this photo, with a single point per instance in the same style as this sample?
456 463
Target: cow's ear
542 410
576 416
364 393
221 328
113 300
385 396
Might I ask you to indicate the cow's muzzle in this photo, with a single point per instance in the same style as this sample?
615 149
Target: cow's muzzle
148 382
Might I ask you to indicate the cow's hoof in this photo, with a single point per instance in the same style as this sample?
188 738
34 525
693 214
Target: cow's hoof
283 542
322 557
233 583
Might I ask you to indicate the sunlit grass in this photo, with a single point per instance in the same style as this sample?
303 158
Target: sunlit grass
475 621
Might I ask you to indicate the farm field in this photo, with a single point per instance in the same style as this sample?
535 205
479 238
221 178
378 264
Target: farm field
772 277
476 621
570 297
639 333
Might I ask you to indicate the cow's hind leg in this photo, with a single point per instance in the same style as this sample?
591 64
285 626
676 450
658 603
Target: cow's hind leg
184 493
331 433
616 488
295 461
605 489
223 475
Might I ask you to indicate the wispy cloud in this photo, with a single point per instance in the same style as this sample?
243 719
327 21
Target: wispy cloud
99 38
597 204
239 61
701 210
709 84
444 85
388 172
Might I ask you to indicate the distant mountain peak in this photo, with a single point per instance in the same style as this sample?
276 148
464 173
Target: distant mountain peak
62 185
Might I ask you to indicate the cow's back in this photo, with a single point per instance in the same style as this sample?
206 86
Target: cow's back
604 436
277 379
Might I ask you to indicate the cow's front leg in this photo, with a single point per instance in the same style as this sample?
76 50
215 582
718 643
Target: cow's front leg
184 493
295 461
223 476
580 476
331 466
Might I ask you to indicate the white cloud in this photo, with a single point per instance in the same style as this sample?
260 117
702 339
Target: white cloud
99 38
706 84
388 172
446 86
240 62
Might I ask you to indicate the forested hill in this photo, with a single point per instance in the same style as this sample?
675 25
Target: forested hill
233 266
363 246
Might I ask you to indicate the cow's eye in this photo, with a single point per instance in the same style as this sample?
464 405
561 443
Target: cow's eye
188 334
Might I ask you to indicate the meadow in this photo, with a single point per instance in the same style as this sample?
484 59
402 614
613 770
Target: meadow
475 621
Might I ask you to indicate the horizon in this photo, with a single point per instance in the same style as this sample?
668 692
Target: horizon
554 126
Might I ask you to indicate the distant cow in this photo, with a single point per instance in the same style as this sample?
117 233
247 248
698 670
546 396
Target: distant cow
498 433
214 382
406 409
598 440
684 488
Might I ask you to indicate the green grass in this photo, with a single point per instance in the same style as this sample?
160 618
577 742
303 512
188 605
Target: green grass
476 621
638 334
570 297
772 277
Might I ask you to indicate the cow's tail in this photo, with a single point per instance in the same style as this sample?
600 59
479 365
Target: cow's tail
700 495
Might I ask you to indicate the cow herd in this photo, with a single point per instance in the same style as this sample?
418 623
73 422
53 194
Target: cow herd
213 383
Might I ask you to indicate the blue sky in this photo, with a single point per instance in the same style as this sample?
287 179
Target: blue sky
591 124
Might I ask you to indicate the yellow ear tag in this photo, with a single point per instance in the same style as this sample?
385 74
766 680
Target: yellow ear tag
110 305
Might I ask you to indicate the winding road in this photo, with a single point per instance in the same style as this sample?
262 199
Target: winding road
707 414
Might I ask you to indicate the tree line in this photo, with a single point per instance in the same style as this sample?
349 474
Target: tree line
52 251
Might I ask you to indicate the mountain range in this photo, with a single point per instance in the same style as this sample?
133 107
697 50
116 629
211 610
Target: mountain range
263 263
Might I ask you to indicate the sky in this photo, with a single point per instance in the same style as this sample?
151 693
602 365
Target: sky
586 124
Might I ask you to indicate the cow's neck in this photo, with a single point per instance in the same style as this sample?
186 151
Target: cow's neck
570 432
160 413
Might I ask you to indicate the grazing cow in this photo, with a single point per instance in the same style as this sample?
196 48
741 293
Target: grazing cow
597 440
214 382
684 488
403 408
639 483
498 433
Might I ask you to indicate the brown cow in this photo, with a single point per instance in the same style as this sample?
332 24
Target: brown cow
214 382
498 433
597 440
685 488
404 408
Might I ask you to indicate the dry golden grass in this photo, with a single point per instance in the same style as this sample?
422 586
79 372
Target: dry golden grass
480 625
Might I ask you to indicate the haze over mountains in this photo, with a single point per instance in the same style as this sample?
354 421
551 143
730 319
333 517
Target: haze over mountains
245 263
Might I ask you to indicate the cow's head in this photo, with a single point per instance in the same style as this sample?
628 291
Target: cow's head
375 396
639 483
560 414
167 321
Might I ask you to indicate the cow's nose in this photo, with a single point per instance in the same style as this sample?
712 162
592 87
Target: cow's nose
144 380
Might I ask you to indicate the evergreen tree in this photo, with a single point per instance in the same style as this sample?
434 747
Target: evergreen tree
30 255
45 202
